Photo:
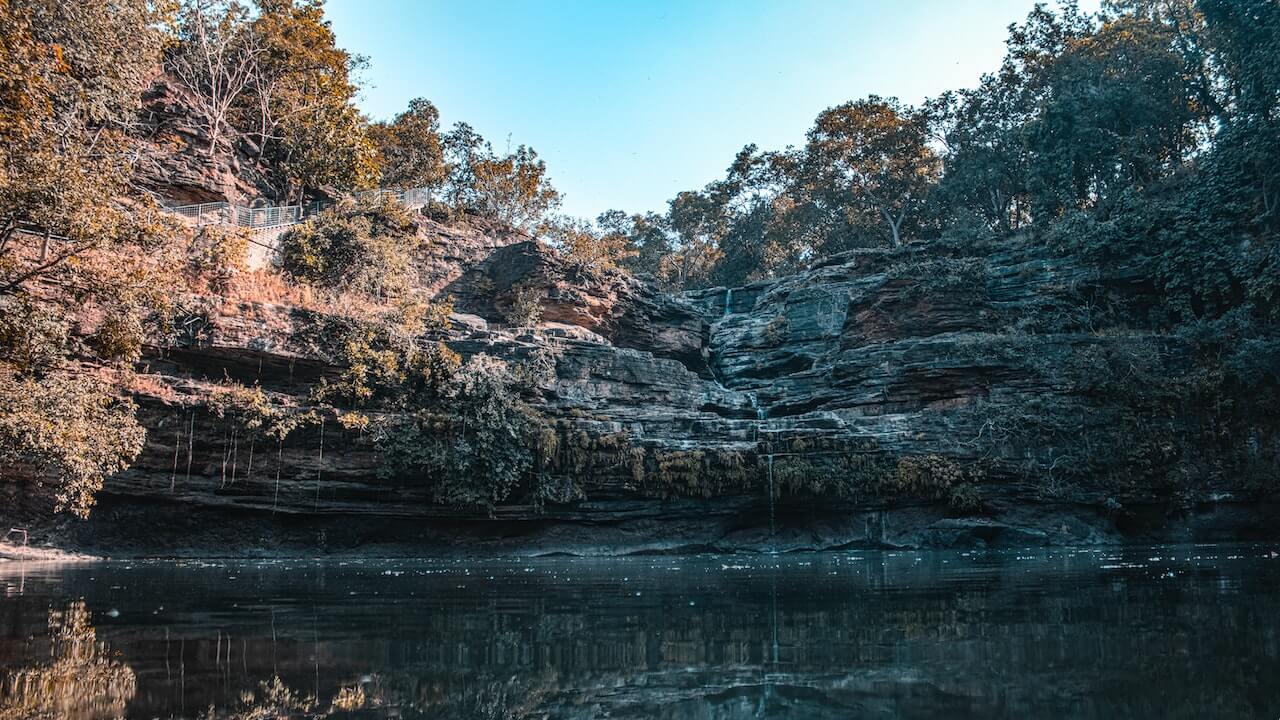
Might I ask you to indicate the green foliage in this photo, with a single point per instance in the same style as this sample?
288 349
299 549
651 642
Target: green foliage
479 449
411 149
932 476
706 473
256 413
874 155
587 247
644 238
1116 116
525 306
385 365
1149 126
365 247
1170 416
953 277
217 254
120 336
461 428
33 335
512 188
301 100
845 475
863 476
67 428
75 236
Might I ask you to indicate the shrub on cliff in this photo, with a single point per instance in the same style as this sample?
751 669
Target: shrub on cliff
365 247
385 364
525 307
476 445
67 428
216 254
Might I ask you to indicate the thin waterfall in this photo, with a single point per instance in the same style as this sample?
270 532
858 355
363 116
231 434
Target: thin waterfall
728 298
762 417
773 549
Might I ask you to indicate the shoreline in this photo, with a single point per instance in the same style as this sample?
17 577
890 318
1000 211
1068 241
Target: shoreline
11 552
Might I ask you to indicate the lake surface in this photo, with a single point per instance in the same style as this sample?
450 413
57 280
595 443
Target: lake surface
1164 632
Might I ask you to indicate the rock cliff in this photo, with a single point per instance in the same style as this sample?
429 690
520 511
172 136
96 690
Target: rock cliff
910 397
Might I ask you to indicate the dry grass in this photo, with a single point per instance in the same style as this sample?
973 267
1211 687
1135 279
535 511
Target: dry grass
268 285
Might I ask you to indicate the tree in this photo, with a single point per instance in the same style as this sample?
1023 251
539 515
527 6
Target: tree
586 246
873 158
364 248
696 224
1240 39
300 102
74 235
216 58
411 149
512 188
1116 115
985 155
647 239
477 453
75 78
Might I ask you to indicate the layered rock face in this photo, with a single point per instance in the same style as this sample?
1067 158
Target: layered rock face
882 398
182 165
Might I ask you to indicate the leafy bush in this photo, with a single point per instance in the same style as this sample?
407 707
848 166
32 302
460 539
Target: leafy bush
476 446
384 365
32 335
120 336
366 247
525 309
707 473
961 277
70 428
218 254
255 412
843 475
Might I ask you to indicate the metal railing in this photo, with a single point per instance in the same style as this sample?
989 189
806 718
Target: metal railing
205 213
410 198
264 218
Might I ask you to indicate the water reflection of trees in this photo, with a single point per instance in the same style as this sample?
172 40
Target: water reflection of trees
483 699
82 679
989 644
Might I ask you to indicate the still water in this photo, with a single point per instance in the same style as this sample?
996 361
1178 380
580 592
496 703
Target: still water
1164 632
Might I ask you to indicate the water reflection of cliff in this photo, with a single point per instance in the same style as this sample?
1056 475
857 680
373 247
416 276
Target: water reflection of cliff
873 636
81 679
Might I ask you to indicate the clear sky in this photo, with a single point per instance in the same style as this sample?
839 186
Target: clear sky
630 102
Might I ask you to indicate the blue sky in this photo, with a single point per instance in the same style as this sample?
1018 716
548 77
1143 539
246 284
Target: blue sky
631 102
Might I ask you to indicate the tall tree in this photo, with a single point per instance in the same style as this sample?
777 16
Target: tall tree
74 235
871 158
587 245
1116 115
985 155
412 154
512 188
301 100
696 225
216 58
647 239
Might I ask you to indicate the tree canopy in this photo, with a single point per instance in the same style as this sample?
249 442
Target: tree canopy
1088 117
